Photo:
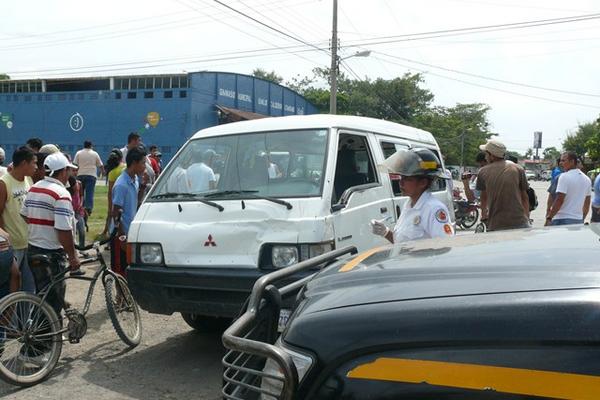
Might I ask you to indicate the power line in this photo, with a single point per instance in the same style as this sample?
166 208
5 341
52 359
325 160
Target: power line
493 88
492 79
269 26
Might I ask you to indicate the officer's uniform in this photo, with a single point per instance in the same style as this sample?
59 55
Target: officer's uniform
427 219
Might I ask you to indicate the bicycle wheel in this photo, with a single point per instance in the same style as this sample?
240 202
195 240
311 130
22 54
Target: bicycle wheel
30 339
470 218
123 310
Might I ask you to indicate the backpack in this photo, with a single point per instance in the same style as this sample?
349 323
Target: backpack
533 201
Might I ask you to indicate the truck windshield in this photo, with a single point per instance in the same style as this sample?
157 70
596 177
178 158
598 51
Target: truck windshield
275 164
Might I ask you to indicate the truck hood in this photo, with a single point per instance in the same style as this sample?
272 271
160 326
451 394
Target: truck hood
503 262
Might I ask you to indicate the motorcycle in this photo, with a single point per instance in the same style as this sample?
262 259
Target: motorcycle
465 212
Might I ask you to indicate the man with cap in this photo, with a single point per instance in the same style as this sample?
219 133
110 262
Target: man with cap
49 214
423 216
503 186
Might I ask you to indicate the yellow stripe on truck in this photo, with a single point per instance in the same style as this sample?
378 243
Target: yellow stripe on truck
530 382
358 259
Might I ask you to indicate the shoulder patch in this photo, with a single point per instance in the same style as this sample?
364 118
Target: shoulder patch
441 216
448 229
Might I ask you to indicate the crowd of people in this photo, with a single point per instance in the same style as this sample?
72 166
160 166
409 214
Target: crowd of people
500 187
46 198
45 201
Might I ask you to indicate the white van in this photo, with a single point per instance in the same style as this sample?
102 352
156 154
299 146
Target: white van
240 200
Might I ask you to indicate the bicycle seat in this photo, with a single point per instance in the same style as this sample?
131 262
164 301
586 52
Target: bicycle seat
38 259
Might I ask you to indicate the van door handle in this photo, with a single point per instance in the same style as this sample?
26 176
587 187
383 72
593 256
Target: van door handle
383 210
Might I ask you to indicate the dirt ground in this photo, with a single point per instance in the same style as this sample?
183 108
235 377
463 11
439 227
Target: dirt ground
171 362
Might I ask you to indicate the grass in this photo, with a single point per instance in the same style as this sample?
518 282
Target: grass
97 220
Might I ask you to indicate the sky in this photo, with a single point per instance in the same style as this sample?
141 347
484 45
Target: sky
538 77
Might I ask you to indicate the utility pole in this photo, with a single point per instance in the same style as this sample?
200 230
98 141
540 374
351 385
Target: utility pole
334 63
462 152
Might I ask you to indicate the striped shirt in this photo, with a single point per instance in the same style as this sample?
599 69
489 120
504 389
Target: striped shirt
47 207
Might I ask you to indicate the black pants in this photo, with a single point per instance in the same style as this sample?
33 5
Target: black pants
595 214
43 275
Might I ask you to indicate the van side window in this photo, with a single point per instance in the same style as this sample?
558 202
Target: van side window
354 164
388 149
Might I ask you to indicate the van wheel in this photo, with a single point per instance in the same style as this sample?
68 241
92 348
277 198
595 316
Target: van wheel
206 324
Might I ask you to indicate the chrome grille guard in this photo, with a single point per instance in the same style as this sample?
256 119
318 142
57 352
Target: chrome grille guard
240 378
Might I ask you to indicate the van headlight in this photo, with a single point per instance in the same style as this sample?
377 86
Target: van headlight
284 256
302 362
151 253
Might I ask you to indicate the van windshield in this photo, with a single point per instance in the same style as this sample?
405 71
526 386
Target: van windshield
275 164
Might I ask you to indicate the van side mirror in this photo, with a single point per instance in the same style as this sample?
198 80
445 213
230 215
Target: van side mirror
337 207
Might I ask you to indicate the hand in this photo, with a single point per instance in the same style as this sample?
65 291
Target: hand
548 222
379 228
74 263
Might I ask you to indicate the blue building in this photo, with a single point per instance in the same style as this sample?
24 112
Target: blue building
165 109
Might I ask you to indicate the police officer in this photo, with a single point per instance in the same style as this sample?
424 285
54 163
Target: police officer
423 216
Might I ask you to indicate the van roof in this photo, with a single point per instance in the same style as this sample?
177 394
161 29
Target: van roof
319 121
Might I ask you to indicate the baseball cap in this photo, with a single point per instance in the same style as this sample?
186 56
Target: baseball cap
494 147
57 161
49 149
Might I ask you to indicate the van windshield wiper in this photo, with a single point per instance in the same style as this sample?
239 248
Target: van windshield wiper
251 194
196 197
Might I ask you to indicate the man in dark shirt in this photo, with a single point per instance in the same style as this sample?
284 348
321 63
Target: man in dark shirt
503 186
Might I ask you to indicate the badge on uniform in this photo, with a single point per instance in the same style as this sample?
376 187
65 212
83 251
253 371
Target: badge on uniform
417 220
441 216
448 229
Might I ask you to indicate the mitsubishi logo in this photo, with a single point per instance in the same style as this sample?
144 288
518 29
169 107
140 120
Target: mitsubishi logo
210 242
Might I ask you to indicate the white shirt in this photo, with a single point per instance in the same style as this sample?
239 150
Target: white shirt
427 219
576 186
88 161
273 171
178 182
199 176
48 207
2 171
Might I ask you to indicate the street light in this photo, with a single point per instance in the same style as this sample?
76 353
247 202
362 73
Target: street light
333 76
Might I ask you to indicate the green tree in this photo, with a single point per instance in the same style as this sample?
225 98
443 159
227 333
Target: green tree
516 154
4 77
551 153
269 76
453 125
578 141
529 153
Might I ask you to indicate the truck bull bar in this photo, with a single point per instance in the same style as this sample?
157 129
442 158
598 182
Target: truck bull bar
249 340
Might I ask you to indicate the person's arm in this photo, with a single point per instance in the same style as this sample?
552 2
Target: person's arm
66 240
483 200
3 198
549 204
468 192
556 205
525 201
116 212
586 206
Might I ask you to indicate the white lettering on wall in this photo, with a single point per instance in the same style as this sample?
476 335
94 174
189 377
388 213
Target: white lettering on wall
300 111
244 97
289 108
263 102
276 105
227 93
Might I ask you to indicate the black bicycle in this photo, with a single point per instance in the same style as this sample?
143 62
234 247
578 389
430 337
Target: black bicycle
32 334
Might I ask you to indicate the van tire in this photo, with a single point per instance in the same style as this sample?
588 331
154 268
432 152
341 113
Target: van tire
206 324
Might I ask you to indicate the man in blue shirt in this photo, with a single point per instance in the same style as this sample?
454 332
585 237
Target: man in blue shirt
125 196
596 200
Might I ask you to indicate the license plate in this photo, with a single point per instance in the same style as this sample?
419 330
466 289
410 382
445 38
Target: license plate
284 316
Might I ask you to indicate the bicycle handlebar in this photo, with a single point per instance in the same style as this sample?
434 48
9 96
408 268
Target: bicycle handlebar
113 234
